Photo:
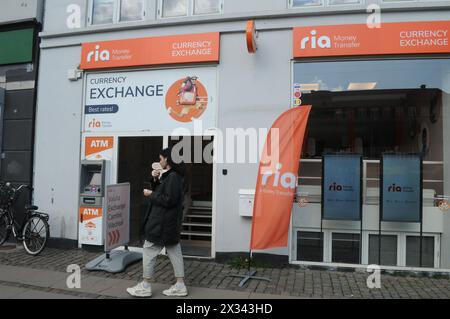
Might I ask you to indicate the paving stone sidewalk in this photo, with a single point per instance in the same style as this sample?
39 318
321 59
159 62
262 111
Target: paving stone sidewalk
295 281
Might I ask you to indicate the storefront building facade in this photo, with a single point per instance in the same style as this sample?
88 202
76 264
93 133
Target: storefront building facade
113 87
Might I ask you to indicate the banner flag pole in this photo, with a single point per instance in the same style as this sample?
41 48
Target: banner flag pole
276 185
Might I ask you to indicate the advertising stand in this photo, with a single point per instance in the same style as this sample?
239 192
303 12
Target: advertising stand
342 190
401 192
117 232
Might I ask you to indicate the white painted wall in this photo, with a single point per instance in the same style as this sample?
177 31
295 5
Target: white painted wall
56 13
57 141
20 10
253 91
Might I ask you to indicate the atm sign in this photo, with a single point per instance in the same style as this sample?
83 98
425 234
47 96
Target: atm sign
96 145
87 213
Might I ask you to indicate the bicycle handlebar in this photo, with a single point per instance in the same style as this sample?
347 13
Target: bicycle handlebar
13 191
8 184
22 186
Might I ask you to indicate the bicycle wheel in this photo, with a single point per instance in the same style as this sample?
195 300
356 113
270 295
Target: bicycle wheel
35 235
5 231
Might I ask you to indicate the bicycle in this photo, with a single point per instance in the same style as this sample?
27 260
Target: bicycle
34 231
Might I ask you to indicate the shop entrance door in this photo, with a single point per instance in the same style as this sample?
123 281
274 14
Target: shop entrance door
136 154
196 235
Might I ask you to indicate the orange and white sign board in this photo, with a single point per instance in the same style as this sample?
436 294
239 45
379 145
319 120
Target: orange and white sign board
91 225
98 148
359 39
187 48
157 100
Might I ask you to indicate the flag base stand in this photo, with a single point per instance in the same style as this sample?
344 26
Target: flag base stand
114 262
250 275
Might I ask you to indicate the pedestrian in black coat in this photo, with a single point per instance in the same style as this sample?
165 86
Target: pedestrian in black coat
162 226
165 211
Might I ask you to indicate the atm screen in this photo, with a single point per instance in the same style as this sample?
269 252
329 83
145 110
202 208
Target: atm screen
96 179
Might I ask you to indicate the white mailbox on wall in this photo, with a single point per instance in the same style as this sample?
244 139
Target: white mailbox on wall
246 198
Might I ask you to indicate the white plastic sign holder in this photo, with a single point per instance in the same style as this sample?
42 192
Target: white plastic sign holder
117 232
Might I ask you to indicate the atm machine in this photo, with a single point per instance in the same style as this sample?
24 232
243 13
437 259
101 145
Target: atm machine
95 175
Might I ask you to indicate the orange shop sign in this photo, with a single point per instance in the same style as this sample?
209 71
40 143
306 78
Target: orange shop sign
188 48
88 213
96 145
359 39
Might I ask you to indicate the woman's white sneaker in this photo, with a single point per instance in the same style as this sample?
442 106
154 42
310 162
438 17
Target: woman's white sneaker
176 290
140 291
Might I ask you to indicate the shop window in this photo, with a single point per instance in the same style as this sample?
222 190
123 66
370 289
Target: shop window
345 248
306 3
413 251
373 107
388 250
103 11
310 246
131 10
180 8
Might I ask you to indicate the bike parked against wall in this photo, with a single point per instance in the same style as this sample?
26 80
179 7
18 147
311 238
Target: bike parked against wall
34 231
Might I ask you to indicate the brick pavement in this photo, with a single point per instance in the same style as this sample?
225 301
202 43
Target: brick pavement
294 280
53 292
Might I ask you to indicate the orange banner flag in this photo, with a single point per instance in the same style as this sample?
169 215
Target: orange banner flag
277 179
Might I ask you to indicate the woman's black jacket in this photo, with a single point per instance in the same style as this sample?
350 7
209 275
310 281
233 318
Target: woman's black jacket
162 224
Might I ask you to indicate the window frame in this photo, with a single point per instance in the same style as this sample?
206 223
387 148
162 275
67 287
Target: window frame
363 3
383 233
327 246
190 11
207 14
91 14
437 247
346 232
295 246
116 13
119 6
359 3
160 11
398 1
322 5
